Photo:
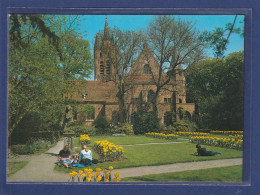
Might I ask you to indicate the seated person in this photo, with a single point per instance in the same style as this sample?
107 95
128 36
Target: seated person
75 159
203 152
64 156
86 156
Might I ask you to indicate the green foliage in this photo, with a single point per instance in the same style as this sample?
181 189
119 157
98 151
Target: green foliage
170 129
144 123
102 125
85 112
40 71
51 136
216 87
124 128
184 125
79 129
31 147
219 37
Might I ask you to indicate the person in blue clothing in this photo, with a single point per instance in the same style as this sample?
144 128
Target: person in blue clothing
65 156
85 156
203 152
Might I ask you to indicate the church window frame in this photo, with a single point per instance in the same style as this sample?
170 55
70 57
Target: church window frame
101 67
147 69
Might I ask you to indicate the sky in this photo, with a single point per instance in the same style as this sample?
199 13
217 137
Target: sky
93 23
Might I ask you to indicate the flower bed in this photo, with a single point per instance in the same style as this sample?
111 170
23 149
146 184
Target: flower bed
162 135
87 175
227 132
188 134
218 141
84 139
108 151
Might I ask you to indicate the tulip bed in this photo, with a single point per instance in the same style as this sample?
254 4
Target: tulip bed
162 135
84 139
233 143
87 175
226 132
108 151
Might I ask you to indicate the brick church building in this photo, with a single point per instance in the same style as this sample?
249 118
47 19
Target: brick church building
101 93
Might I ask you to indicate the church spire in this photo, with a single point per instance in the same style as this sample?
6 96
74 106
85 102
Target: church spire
96 46
106 30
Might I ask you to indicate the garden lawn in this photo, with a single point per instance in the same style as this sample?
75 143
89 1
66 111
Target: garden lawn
222 174
160 154
13 167
126 140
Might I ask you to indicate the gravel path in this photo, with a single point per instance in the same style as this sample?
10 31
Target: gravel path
41 168
147 170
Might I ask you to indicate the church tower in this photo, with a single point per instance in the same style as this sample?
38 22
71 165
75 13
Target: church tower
104 55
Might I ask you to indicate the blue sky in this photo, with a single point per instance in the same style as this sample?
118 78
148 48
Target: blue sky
93 23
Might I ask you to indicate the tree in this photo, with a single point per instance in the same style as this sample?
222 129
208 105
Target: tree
173 42
216 87
219 37
37 75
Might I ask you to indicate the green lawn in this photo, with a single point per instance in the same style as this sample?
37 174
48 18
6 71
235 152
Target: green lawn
159 154
13 167
223 174
126 140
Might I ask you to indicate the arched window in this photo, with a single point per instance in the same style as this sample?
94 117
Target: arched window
180 100
147 69
180 73
187 115
150 96
108 68
101 67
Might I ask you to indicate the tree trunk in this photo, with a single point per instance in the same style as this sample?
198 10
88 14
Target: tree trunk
14 125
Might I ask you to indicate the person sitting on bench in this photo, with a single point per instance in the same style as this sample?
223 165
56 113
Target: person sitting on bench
203 152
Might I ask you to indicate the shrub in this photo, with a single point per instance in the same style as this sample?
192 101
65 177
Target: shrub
125 128
145 123
183 125
79 129
31 147
51 136
102 125
170 129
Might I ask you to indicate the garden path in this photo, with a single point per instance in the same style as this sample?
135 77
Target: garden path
41 168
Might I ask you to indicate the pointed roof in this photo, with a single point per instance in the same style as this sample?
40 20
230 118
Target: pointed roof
106 30
96 46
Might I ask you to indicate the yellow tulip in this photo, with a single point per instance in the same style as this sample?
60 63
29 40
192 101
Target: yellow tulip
85 170
83 175
107 176
106 180
80 172
71 174
110 168
98 178
88 179
116 174
97 173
